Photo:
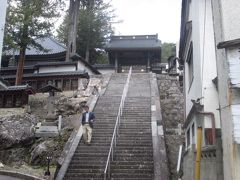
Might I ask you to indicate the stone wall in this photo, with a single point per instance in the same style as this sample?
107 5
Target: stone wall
172 105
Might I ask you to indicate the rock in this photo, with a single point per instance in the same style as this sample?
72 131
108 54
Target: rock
16 130
38 153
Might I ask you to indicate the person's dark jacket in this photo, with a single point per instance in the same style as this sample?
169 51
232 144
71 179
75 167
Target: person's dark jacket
90 119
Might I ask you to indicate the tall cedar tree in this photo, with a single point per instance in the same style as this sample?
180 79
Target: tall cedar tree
26 21
94 28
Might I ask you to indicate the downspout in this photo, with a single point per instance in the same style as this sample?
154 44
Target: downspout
211 114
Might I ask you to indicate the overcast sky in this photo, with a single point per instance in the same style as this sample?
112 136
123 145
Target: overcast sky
149 17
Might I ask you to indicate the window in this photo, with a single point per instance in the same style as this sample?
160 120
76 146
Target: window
190 65
193 134
188 138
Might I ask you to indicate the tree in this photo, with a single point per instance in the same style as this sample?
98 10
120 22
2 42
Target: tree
168 49
94 28
72 27
28 20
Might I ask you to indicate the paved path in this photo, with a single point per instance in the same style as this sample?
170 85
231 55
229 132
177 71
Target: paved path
2 177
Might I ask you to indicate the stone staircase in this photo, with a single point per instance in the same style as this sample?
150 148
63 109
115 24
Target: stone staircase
134 152
133 155
88 162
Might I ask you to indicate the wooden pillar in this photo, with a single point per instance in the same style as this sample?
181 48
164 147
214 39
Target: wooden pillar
13 105
70 84
116 62
148 62
2 102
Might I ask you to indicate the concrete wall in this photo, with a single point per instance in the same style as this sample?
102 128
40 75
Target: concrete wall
230 19
226 26
2 24
211 164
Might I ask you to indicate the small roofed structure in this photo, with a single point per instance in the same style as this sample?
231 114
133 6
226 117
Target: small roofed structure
14 96
143 51
50 89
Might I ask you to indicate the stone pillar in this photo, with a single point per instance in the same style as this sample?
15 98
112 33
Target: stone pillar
116 62
148 62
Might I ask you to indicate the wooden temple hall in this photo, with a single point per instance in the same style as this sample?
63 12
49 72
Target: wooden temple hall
142 52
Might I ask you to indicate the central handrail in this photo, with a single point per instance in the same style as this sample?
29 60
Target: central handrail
116 127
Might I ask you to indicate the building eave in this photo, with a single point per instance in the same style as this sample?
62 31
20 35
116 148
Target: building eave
229 44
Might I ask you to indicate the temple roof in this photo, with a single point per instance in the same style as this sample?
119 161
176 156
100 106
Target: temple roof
50 45
25 88
138 42
53 74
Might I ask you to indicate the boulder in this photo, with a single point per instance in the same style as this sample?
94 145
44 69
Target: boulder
38 153
16 130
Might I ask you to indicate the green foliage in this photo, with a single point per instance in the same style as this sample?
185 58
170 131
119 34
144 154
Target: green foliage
94 28
28 20
168 49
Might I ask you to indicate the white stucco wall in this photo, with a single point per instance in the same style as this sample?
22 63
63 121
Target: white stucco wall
209 90
2 23
230 19
193 91
204 62
107 71
82 67
52 69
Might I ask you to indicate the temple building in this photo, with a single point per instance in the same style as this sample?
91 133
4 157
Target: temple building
47 65
143 52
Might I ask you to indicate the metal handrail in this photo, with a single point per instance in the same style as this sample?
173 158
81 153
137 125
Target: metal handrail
116 127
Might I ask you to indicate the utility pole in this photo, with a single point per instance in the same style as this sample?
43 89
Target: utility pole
3 9
72 31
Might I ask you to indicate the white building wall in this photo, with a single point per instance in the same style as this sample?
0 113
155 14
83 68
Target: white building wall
230 19
82 67
107 71
52 69
209 68
204 63
227 26
3 8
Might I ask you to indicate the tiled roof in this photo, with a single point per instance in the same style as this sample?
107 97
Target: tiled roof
26 88
103 66
134 42
51 45
54 74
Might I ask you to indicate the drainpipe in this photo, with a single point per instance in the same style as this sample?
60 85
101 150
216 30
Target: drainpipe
211 114
199 154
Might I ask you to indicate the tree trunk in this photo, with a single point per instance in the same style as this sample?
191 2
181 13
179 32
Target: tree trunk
20 67
87 52
72 31
90 9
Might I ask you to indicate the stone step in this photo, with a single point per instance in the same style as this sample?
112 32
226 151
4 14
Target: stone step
77 178
87 171
132 163
139 178
70 176
132 172
130 175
